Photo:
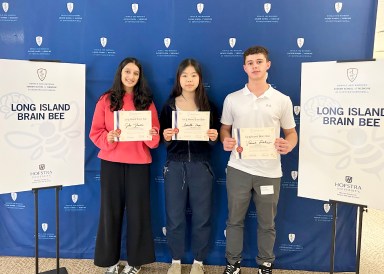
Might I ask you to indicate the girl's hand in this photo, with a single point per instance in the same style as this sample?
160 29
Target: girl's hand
212 134
168 133
153 131
112 134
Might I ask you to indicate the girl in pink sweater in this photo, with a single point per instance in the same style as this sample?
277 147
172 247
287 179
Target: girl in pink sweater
124 173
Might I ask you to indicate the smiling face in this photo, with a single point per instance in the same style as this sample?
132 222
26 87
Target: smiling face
189 79
130 75
256 66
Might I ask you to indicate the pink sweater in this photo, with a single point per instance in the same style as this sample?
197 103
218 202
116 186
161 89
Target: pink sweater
123 152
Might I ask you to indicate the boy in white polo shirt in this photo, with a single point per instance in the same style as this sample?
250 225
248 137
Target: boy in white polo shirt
257 105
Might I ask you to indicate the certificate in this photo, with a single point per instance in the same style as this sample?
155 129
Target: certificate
255 143
134 125
190 125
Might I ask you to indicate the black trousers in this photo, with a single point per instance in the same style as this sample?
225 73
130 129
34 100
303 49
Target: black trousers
124 187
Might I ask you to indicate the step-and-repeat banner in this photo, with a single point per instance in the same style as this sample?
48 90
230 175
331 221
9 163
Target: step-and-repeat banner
100 34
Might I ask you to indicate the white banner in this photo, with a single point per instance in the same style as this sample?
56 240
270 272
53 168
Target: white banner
341 132
42 124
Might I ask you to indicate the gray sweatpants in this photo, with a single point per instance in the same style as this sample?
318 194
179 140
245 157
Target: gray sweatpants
241 186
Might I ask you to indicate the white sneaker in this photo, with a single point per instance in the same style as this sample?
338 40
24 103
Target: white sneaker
131 269
174 269
197 269
113 269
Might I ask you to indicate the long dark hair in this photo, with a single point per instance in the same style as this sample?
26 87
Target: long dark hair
201 98
142 95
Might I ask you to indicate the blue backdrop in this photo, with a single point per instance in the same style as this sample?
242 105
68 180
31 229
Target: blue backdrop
162 33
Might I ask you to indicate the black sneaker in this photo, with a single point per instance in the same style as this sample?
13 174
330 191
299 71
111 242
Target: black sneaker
232 268
265 268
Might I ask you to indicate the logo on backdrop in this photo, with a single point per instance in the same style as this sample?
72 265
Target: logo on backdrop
348 179
290 184
326 207
323 216
299 51
39 50
300 42
232 52
7 17
70 7
296 110
294 174
167 52
232 42
45 235
39 40
5 6
167 42
104 50
265 16
74 206
103 41
13 204
338 6
267 7
290 246
164 230
337 17
291 237
135 8
200 7
199 18
70 18
135 18
352 74
41 73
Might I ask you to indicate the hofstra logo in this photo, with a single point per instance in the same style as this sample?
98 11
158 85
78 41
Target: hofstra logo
348 185
41 166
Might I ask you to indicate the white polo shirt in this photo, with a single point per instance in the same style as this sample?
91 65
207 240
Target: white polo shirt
242 109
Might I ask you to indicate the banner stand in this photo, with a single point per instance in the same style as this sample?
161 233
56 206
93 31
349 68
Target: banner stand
361 210
58 270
